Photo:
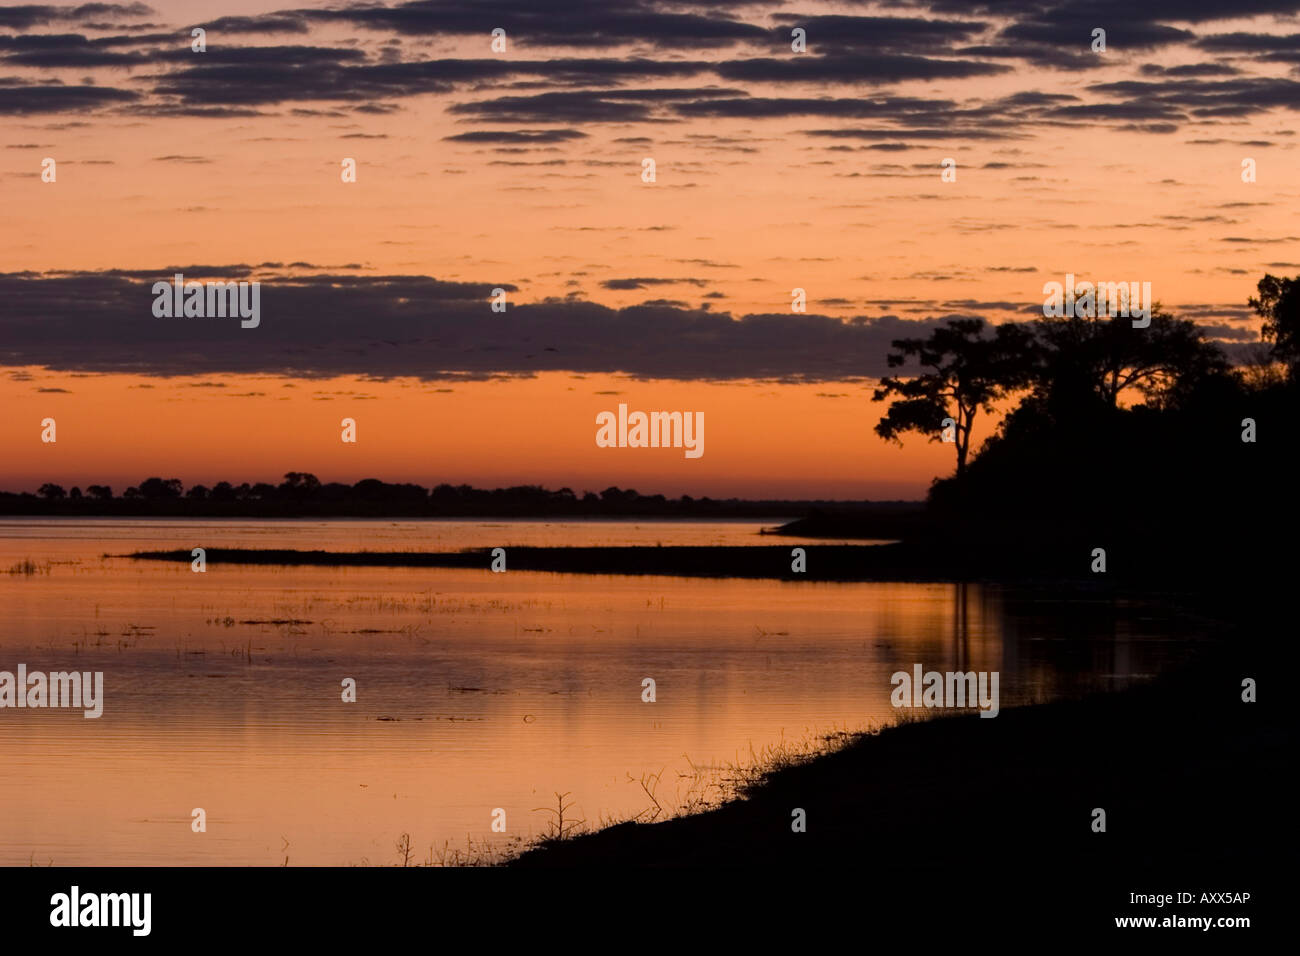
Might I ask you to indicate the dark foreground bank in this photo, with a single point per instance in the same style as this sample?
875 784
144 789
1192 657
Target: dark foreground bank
1189 776
821 562
1006 554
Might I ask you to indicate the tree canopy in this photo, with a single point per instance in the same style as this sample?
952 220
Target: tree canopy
962 372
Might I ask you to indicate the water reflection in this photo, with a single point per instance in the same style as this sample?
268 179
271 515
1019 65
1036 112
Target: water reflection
475 691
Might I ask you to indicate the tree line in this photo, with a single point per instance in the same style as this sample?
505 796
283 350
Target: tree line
302 493
1104 424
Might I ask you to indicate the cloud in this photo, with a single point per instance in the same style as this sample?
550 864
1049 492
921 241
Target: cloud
617 284
1264 45
1238 97
31 15
286 22
575 23
528 136
418 326
708 43
1149 11
52 51
878 34
850 68
25 100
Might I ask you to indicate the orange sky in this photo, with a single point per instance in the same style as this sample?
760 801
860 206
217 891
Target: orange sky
758 440
1134 185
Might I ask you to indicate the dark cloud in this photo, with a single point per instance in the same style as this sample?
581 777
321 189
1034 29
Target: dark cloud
850 68
1070 28
619 284
664 40
21 100
576 23
286 22
389 326
288 74
1190 69
518 136
71 50
709 43
31 15
878 34
1238 97
1148 11
1258 44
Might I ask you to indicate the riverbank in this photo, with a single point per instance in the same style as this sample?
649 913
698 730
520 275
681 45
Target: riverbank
822 562
1186 772
1054 555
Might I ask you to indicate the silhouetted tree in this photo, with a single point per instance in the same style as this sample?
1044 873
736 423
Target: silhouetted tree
1113 413
1108 357
300 484
1278 305
371 488
159 488
102 492
75 494
1258 369
963 372
51 492
197 493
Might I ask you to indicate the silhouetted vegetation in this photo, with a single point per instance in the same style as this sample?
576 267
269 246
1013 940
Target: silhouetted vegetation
833 562
964 372
1120 437
1021 779
304 495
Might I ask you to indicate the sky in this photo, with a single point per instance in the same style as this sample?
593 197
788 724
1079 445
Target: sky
522 170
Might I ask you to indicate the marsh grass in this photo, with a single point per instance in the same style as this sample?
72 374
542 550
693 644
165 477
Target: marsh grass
557 829
702 787
706 787
480 853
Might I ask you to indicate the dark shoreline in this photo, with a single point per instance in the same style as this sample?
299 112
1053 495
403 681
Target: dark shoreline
826 563
1066 559
1180 766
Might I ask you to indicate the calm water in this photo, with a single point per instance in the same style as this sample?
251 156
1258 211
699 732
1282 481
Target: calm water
476 691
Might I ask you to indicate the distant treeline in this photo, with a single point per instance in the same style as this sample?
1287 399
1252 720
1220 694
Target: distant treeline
303 495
